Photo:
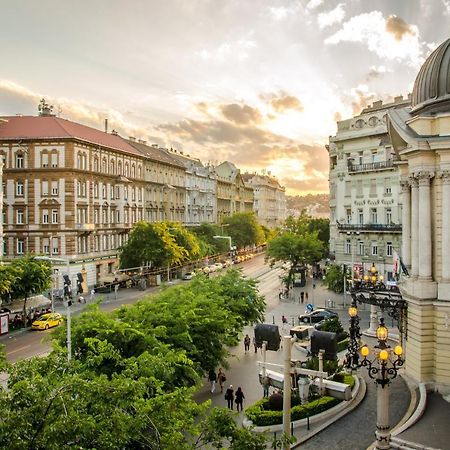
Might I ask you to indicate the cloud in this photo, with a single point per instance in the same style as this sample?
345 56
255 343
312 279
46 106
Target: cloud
241 114
282 101
279 12
329 18
371 29
399 28
376 72
361 98
313 4
239 49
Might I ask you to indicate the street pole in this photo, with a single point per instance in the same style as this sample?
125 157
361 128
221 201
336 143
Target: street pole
383 434
69 334
345 286
287 390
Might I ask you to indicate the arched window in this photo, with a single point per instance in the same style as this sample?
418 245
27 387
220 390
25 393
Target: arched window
96 164
19 160
112 165
79 163
84 161
104 166
133 171
54 158
139 171
119 168
127 168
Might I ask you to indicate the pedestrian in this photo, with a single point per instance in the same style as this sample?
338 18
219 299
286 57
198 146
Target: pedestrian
255 344
306 297
229 397
266 385
81 299
283 319
247 343
239 399
222 378
92 294
302 297
212 377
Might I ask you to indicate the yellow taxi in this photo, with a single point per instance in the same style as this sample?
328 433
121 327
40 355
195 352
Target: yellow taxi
47 321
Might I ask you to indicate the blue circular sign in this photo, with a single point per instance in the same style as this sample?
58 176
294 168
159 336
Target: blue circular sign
309 307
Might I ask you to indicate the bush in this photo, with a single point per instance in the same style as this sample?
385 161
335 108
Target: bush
328 366
342 345
342 377
264 417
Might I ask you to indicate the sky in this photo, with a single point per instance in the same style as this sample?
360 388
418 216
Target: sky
260 83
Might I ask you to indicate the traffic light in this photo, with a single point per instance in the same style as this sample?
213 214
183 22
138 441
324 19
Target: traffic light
67 283
79 283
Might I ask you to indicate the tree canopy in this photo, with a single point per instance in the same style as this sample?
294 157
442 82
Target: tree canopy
244 229
133 369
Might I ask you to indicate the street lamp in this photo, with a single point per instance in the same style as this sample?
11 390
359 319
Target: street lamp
382 368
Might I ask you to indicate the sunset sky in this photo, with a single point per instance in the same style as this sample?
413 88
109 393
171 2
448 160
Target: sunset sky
260 83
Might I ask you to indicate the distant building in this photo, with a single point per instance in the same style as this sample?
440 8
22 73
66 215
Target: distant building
365 213
269 199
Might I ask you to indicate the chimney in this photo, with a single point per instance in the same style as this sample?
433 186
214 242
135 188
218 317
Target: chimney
398 99
141 141
132 138
114 133
155 145
106 125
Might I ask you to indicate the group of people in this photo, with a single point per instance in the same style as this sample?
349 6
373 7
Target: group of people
248 341
230 396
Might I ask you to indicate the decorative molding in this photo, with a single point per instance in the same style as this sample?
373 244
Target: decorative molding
444 176
373 202
424 177
387 202
413 181
360 202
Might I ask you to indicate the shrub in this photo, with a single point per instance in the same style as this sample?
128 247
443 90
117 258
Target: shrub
264 417
342 345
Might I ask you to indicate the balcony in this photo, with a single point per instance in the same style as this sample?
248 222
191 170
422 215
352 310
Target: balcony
370 167
370 227
85 227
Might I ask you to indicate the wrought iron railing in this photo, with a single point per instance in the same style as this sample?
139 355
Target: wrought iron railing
388 228
381 165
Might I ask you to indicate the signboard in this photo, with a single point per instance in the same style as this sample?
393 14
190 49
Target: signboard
4 323
309 307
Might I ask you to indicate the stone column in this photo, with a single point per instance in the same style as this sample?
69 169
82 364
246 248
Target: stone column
425 225
445 214
414 226
406 222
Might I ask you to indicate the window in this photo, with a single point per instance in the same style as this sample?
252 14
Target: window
19 161
373 215
20 247
389 249
104 216
348 247
44 188
4 217
348 214
19 189
112 190
360 157
54 159
133 194
55 246
125 193
95 215
374 248
117 216
45 216
104 166
104 191
79 161
54 216
388 216
118 192
46 248
133 171
19 217
54 188
96 164
3 159
359 188
361 248
119 168
95 190
373 188
348 188
140 194
360 216
45 159
126 169
112 167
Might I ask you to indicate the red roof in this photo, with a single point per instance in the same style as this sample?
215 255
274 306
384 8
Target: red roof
51 127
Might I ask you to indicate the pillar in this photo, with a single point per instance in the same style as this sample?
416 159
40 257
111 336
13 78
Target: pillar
383 434
414 226
406 223
287 343
445 214
425 225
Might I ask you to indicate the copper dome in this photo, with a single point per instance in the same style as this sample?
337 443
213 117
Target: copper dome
432 86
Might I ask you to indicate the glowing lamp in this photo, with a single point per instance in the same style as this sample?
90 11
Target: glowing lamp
353 311
398 350
365 351
383 355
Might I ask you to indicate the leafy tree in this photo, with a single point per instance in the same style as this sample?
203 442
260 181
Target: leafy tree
322 226
244 229
206 232
334 279
186 240
8 277
32 276
151 242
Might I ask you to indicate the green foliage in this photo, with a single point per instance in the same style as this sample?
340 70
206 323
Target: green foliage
260 416
342 345
244 229
8 278
328 366
205 232
342 377
334 279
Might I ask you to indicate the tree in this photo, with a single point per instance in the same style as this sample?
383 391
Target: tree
206 232
244 229
32 277
8 278
334 279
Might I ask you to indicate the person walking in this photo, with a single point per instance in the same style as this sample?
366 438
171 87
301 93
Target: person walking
247 343
221 377
229 397
255 344
306 297
302 297
212 377
239 399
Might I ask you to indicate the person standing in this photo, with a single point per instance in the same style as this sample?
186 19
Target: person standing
255 344
302 297
229 396
266 385
239 399
212 377
222 378
306 297
247 343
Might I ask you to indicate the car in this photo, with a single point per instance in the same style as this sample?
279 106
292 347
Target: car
188 275
47 321
317 315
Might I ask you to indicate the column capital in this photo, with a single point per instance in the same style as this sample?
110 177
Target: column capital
413 181
444 176
424 177
405 184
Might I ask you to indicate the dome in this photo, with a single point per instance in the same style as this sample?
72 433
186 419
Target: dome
432 86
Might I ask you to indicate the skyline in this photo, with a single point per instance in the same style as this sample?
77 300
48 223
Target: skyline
258 83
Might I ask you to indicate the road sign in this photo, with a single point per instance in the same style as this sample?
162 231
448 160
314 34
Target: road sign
309 307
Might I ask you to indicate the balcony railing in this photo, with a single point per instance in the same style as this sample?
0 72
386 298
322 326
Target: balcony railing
370 227
381 165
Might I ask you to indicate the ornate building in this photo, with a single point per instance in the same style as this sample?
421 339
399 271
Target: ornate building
269 199
200 201
71 192
420 135
365 213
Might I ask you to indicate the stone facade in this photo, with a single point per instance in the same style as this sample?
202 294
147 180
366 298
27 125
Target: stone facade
365 212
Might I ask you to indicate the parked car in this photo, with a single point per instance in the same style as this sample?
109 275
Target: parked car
188 276
47 321
317 315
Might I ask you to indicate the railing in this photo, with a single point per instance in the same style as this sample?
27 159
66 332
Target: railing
370 166
387 228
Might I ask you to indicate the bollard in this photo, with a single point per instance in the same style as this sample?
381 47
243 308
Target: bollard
292 428
273 320
307 421
293 322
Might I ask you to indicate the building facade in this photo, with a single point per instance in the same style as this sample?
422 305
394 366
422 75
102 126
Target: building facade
421 139
269 199
365 212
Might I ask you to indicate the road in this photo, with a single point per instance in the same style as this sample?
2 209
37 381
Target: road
27 343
